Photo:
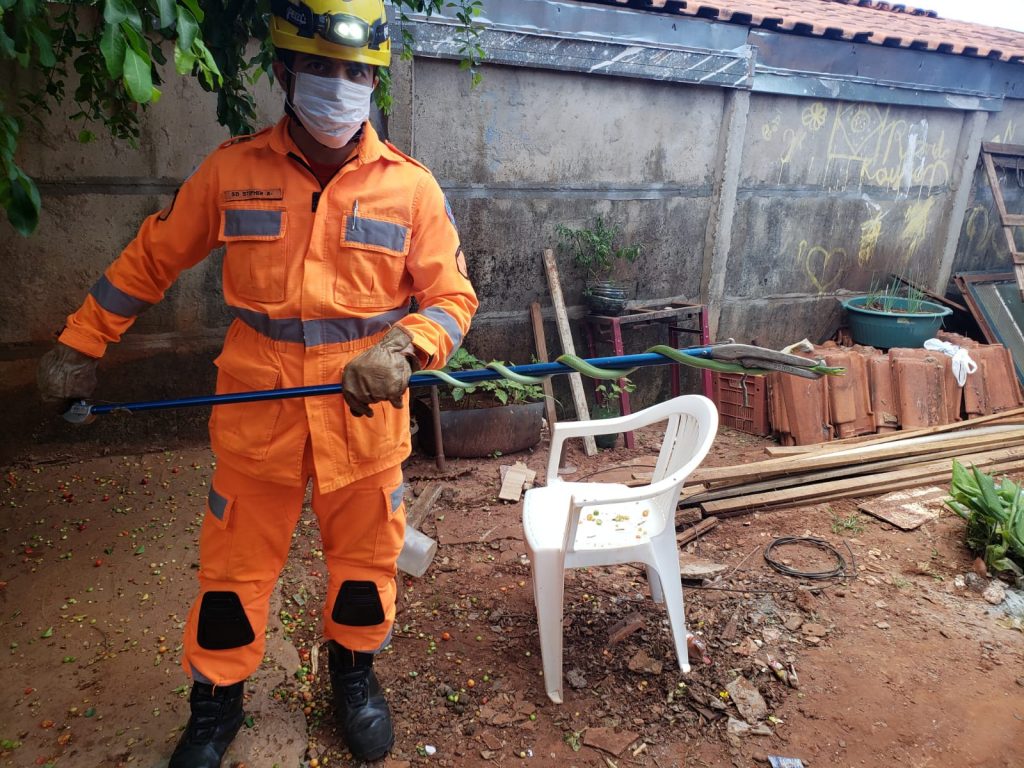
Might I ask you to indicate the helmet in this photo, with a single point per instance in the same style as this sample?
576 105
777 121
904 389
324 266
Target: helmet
353 30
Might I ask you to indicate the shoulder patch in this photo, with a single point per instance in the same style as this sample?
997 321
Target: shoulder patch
404 156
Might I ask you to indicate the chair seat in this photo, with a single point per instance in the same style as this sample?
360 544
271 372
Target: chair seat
601 526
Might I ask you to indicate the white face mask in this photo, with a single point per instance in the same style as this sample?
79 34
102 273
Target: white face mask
331 108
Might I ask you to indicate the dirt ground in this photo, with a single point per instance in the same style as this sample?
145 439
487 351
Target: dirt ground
894 665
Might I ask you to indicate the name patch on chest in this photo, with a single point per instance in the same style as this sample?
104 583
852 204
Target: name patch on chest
233 195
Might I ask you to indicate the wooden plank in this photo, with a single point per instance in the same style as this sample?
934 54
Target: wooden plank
541 345
420 508
907 509
693 532
858 486
889 437
997 197
1008 150
513 480
792 465
565 335
778 483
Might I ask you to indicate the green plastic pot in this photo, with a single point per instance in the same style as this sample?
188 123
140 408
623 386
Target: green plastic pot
909 324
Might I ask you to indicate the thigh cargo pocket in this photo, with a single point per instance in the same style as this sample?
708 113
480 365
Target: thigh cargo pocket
245 429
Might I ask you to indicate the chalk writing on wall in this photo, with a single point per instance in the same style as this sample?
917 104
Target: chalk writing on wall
769 129
891 153
1007 135
814 116
981 232
823 266
870 231
915 230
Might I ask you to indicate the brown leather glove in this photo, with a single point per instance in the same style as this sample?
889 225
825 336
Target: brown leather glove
66 374
380 373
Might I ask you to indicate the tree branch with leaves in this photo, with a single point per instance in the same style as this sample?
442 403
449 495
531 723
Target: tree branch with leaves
116 52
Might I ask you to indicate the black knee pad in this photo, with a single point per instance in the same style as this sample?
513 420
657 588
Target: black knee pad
358 605
223 623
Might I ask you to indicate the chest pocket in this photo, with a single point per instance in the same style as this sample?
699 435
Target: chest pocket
372 263
256 262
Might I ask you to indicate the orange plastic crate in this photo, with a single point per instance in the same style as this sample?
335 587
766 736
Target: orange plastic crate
745 411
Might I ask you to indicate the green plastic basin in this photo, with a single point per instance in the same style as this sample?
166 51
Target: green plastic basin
898 328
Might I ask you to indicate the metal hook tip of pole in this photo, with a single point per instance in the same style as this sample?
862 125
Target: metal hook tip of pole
79 413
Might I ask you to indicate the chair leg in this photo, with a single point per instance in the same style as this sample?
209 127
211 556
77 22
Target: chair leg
548 592
667 565
654 582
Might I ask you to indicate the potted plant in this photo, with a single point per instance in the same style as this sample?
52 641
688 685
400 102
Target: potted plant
483 419
606 405
598 251
896 315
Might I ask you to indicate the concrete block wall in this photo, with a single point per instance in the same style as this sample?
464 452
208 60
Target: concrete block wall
764 206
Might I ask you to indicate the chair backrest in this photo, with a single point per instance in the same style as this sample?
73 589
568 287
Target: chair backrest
689 433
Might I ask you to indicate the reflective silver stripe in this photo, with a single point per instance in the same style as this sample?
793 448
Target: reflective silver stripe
446 321
337 329
240 222
397 497
114 300
218 504
313 333
373 232
278 329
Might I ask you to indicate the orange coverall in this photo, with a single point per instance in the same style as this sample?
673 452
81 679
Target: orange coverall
313 276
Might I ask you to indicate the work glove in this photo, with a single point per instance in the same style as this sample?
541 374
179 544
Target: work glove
66 374
380 373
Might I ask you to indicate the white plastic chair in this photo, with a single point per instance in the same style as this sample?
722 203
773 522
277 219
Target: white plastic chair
575 525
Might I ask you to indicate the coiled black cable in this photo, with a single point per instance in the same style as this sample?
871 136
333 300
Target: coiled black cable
838 572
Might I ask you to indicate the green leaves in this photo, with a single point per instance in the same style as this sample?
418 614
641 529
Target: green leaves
112 46
994 514
116 65
137 76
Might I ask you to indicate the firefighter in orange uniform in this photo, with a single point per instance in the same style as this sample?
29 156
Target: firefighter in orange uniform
330 233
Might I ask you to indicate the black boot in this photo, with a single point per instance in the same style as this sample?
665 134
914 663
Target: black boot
362 711
216 717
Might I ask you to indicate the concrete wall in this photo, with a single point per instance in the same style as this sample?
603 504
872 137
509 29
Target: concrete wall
982 244
833 196
767 207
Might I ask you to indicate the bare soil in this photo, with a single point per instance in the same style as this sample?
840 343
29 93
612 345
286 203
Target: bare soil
894 665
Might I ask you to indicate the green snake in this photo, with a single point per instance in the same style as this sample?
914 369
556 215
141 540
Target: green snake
784 363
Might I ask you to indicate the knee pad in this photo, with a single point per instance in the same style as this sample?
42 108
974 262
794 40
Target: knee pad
358 605
222 622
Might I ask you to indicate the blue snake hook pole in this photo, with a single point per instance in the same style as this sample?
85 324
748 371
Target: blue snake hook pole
83 412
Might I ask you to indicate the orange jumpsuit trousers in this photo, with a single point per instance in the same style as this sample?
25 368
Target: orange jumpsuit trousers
244 545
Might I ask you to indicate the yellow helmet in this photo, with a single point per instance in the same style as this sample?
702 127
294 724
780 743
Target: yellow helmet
353 30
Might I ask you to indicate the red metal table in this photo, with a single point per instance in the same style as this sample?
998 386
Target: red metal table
677 318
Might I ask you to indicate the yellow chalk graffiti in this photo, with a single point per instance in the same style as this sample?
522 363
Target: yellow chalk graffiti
870 231
981 232
822 266
768 129
915 228
814 116
796 141
890 153
1007 135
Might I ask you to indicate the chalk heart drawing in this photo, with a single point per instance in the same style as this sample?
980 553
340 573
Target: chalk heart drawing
814 116
823 266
